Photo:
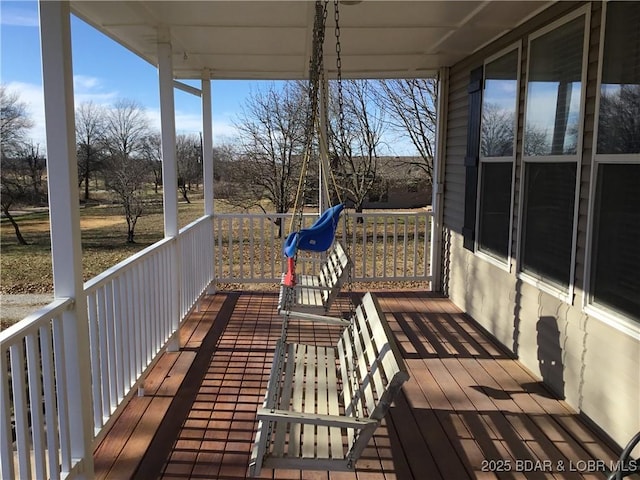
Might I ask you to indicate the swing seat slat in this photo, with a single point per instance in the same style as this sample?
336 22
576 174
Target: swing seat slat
323 403
316 293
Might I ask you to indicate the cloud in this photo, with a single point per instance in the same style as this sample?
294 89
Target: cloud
32 95
188 122
84 82
88 89
18 16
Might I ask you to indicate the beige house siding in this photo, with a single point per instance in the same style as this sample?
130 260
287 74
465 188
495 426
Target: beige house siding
593 365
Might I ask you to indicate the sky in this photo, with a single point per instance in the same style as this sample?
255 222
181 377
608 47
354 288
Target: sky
104 72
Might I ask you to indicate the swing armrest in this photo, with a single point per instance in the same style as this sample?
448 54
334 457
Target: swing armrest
315 317
312 287
316 419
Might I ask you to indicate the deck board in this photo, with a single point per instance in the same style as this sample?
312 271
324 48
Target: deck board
467 401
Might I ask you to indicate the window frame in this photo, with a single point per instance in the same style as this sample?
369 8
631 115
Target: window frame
606 314
545 284
503 263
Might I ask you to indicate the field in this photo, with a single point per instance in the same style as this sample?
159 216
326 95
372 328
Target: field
27 270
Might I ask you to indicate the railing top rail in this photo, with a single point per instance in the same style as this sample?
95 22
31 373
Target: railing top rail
312 214
390 213
35 320
194 224
234 215
108 274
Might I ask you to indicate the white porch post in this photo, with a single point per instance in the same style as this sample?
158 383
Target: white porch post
437 202
207 167
169 173
207 143
64 214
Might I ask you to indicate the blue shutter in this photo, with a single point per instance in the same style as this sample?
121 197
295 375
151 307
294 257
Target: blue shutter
471 159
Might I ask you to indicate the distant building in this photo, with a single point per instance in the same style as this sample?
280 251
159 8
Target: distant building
402 183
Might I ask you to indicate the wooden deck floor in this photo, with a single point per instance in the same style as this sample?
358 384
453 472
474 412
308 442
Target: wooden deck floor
469 410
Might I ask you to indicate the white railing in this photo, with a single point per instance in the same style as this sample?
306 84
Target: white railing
133 309
131 317
35 422
236 257
384 246
196 252
390 246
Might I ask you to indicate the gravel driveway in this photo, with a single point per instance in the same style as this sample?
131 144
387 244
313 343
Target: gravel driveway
16 307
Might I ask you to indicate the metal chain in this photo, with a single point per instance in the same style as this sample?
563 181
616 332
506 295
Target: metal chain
336 16
354 361
315 69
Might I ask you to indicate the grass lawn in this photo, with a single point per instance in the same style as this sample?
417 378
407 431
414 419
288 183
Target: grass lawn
27 269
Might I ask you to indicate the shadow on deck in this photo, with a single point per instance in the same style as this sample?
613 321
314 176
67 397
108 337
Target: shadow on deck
469 410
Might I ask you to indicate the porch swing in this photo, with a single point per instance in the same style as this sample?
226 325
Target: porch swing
315 293
323 403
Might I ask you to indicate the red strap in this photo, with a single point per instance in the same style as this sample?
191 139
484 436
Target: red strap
290 276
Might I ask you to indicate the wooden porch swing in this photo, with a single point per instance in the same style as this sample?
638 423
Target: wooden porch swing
323 403
315 293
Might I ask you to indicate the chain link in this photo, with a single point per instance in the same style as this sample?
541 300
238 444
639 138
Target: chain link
354 361
336 16
342 141
316 66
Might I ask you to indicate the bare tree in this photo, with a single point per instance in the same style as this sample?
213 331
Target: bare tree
15 121
33 166
536 141
90 141
619 120
152 154
13 191
355 140
127 173
497 131
272 140
224 161
17 185
411 110
188 155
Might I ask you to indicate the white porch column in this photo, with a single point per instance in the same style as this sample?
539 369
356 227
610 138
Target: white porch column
207 168
207 143
437 202
169 173
168 132
64 215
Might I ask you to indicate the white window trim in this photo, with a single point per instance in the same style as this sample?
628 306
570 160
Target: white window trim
544 284
603 313
508 262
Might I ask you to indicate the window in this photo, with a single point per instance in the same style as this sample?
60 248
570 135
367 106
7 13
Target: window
495 208
497 153
553 91
615 257
548 223
551 152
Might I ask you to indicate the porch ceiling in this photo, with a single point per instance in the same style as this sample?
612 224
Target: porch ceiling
272 39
